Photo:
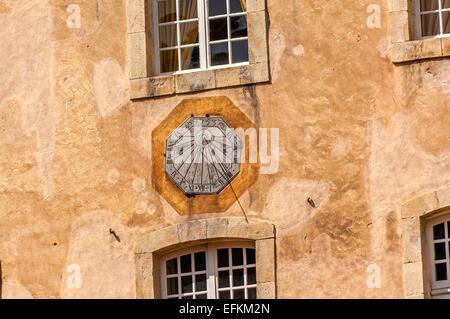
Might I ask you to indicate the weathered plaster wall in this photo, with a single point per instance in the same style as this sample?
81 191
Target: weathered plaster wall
358 135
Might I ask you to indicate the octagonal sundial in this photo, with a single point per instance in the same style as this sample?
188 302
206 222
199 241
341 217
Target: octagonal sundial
203 155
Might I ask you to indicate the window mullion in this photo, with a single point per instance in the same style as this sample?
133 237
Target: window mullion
211 272
441 27
230 59
202 30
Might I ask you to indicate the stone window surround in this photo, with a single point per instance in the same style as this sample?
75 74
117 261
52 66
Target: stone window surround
145 84
404 46
414 216
151 247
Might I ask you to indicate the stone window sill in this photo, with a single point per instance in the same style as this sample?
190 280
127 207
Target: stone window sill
420 49
199 81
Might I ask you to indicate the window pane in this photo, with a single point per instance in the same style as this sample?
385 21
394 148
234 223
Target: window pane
172 286
189 33
239 51
238 258
445 4
190 58
446 21
439 251
171 267
200 283
441 272
188 9
251 276
438 231
224 279
251 293
218 29
217 7
251 256
238 277
185 262
238 26
200 261
169 60
187 297
430 24
203 296
168 36
239 294
222 258
224 295
237 6
186 284
167 11
428 5
219 54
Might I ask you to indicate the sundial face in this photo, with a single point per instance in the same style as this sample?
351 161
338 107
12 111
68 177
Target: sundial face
203 155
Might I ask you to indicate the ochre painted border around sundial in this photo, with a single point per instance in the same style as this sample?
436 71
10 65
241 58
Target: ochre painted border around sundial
200 204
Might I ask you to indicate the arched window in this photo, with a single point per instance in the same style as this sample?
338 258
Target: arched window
224 270
217 258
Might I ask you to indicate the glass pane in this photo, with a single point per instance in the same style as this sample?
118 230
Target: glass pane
237 6
238 258
167 11
239 51
190 58
238 26
251 256
172 286
168 36
445 4
217 7
218 29
441 272
430 24
251 276
169 61
239 294
187 297
224 279
222 258
446 21
185 262
200 261
172 298
428 5
438 231
189 33
224 295
439 251
186 284
188 9
200 283
251 293
204 296
171 267
238 277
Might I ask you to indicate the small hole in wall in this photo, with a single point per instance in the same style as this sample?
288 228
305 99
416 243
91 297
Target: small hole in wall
55 244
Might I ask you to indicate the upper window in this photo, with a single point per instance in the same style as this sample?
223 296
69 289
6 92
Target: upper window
213 271
433 18
200 34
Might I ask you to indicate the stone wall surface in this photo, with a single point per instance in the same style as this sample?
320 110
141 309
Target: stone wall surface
358 135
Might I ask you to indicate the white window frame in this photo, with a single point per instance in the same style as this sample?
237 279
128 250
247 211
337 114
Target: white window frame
203 29
441 286
212 269
418 15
